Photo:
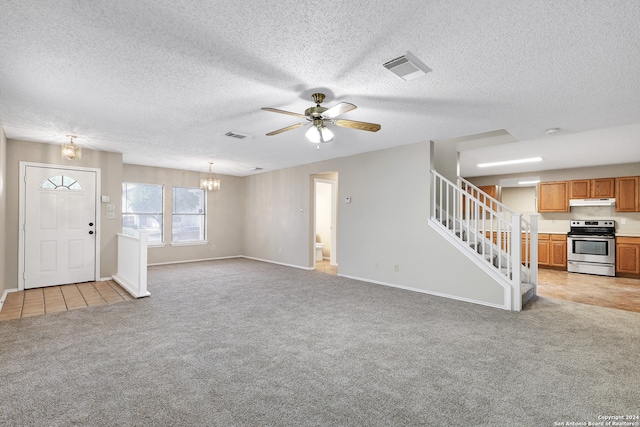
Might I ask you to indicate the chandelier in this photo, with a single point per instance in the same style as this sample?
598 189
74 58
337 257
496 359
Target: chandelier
71 151
210 184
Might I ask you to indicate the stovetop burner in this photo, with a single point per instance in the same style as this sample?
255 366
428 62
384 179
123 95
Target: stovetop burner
600 227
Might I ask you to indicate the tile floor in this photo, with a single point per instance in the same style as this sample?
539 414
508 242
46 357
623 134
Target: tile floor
324 267
603 291
36 302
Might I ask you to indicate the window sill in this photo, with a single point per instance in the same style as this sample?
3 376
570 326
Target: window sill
191 243
156 245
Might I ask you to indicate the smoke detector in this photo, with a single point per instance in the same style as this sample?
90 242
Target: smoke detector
407 67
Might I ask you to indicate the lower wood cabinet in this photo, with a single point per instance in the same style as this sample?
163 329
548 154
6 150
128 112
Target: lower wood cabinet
552 250
628 256
558 250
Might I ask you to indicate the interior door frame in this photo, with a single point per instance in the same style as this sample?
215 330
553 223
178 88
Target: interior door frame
334 217
22 214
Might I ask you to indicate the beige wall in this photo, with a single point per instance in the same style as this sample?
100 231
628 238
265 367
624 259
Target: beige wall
559 222
386 223
3 208
225 213
110 165
269 216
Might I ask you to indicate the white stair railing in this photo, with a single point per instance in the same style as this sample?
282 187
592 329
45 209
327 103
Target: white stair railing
490 230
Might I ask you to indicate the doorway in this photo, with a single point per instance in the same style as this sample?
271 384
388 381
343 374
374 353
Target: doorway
59 237
325 218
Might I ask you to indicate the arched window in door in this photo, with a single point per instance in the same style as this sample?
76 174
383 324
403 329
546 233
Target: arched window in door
60 182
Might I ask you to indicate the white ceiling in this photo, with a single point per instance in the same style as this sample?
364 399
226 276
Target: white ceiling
163 81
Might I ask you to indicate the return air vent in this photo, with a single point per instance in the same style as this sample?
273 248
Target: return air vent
236 135
407 67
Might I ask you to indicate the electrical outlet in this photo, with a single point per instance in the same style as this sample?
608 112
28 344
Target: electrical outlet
623 220
396 267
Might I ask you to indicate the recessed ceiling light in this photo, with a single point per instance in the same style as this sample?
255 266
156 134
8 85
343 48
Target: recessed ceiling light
551 131
510 162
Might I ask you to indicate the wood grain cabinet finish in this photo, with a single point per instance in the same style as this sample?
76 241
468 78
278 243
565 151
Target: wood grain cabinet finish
558 249
553 196
485 190
544 243
628 256
601 188
627 194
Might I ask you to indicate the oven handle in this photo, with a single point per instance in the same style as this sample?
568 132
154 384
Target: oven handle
597 239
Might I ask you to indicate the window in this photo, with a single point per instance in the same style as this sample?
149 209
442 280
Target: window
188 219
60 182
142 210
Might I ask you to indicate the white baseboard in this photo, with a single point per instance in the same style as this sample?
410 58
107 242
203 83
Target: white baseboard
4 295
279 263
194 260
422 291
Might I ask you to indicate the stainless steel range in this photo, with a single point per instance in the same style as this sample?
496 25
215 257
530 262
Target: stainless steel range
591 247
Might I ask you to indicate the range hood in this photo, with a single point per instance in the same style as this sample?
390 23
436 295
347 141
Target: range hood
592 202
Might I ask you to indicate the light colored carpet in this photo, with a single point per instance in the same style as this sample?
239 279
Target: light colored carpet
246 343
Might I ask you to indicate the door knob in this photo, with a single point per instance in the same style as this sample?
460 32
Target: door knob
91 232
90 224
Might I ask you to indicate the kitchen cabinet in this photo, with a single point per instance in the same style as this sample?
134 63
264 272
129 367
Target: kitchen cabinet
544 242
553 196
485 190
601 188
628 256
627 194
558 250
552 250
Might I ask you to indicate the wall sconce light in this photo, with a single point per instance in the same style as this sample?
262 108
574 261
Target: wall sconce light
210 184
71 151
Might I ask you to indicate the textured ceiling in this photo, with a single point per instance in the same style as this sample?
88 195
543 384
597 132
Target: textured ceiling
163 81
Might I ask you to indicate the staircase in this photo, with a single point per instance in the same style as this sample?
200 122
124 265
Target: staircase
496 238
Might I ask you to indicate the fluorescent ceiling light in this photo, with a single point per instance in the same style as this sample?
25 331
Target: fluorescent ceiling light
528 182
510 162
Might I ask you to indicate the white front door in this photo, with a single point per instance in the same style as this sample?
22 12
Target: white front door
59 226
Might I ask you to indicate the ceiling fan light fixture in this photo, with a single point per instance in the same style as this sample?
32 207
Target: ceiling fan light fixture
319 134
210 184
71 151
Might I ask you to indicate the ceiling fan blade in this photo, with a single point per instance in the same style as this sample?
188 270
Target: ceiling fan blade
297 125
371 127
275 110
338 109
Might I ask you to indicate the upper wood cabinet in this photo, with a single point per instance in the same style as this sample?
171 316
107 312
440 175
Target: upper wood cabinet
600 188
627 194
553 196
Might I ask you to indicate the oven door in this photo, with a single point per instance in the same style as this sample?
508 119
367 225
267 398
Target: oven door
598 249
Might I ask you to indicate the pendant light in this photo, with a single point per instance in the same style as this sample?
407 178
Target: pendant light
71 151
210 184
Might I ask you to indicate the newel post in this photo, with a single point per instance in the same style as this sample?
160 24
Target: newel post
516 260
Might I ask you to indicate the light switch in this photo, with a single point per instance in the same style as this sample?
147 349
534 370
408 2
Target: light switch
105 199
111 215
111 207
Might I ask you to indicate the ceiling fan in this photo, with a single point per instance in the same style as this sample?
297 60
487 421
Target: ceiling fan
318 116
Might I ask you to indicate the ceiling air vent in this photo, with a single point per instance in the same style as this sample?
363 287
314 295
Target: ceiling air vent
407 67
236 135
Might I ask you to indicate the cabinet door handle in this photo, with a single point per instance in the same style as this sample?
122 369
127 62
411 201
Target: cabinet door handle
91 232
